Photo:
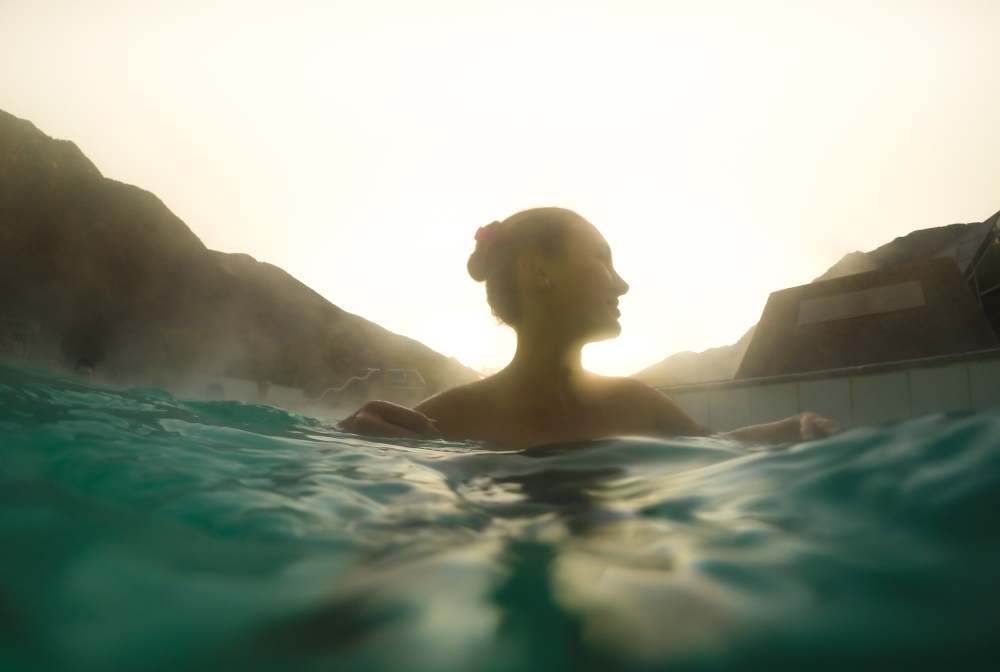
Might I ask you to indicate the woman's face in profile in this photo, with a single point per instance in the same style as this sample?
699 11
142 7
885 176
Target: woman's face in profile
586 287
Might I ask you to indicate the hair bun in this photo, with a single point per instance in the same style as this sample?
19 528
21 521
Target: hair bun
477 265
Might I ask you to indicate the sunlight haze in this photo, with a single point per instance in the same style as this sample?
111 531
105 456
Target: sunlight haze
725 149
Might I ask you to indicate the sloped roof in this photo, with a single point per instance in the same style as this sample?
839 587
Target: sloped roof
922 309
964 249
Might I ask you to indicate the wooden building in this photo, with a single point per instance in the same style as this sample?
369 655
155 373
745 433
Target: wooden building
915 311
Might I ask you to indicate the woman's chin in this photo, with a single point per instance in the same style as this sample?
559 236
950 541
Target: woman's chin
607 332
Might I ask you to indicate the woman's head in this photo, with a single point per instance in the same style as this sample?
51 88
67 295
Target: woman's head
553 265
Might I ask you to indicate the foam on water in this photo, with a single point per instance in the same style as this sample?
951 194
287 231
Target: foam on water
140 532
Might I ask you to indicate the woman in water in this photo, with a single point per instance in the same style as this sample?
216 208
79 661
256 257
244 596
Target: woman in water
549 276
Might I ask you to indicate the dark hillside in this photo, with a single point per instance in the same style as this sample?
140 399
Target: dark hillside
914 246
110 274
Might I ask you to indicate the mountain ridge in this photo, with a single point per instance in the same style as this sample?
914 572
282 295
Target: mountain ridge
112 275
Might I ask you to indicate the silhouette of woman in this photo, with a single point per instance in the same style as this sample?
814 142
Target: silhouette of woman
549 276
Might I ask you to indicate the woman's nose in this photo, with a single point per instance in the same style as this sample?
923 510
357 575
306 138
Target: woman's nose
621 287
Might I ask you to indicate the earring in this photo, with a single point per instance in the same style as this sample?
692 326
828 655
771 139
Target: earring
548 284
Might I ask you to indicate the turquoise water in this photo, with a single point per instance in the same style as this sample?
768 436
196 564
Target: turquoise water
140 532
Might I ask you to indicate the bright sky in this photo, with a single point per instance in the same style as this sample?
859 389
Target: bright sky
726 149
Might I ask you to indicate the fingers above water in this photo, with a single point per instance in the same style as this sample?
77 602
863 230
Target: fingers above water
381 418
406 417
814 426
369 424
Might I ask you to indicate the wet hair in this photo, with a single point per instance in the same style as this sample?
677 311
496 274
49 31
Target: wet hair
542 230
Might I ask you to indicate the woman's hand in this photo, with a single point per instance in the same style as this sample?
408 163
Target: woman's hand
380 418
801 427
815 426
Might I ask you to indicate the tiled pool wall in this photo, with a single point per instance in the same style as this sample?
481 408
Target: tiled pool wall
851 400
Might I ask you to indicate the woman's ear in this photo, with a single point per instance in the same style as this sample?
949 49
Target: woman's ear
532 269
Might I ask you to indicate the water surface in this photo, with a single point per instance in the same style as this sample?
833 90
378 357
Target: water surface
141 532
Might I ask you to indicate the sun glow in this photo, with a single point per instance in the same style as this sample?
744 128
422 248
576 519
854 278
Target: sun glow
724 149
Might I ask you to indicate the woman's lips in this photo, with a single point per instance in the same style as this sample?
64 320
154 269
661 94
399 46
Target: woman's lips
613 304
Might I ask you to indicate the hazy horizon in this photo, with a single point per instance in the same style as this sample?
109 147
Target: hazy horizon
725 151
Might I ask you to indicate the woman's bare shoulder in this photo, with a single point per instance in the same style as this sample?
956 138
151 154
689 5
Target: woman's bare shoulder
454 400
459 411
631 390
651 407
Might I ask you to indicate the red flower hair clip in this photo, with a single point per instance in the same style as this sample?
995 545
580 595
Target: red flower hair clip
487 235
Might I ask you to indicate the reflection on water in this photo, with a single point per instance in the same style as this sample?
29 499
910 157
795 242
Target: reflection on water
142 532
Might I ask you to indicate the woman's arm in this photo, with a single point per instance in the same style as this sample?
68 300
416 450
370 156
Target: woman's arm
672 420
427 420
381 418
801 427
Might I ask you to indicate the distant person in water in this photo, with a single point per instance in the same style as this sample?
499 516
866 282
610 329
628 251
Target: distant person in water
215 391
84 370
549 276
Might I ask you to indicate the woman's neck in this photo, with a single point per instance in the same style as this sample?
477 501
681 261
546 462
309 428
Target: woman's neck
545 368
